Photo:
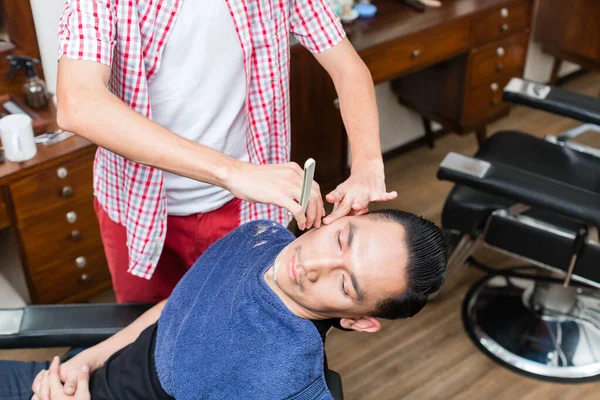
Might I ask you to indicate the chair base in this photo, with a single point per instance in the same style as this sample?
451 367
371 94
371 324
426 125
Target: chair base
534 326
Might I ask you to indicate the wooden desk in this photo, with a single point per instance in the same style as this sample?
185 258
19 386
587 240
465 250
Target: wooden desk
568 30
48 201
448 64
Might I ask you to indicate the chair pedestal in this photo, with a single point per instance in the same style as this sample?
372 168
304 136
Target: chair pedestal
536 328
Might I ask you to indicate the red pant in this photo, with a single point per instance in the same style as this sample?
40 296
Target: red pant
187 238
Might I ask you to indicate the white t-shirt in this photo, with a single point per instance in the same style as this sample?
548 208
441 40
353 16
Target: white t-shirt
199 93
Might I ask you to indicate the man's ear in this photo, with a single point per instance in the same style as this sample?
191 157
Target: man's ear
362 324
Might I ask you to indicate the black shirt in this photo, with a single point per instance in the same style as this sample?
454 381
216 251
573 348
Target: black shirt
130 373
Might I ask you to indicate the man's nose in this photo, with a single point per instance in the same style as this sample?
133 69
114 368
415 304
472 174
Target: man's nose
317 268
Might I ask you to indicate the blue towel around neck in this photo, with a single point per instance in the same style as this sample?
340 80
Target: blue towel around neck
225 334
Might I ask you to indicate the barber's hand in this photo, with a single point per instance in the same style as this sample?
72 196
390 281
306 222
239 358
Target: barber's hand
366 184
279 184
68 373
51 387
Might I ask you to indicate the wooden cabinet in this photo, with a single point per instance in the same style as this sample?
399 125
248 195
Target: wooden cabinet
4 219
472 82
501 21
569 30
418 50
53 217
53 191
491 62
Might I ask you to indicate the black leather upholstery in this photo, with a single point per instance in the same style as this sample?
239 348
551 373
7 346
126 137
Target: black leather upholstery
71 325
466 209
557 101
561 173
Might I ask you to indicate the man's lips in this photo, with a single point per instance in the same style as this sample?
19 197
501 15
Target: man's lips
293 273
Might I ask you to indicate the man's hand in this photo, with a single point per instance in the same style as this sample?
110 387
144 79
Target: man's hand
51 388
366 184
279 184
68 373
358 106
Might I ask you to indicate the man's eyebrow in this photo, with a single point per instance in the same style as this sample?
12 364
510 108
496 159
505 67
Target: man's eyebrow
351 234
359 292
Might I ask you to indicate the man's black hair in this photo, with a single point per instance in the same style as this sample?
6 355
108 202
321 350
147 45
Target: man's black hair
425 269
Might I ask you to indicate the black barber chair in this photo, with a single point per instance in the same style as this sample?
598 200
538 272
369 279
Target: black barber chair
84 325
537 200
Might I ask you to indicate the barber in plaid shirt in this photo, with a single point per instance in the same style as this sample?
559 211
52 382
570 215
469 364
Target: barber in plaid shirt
188 102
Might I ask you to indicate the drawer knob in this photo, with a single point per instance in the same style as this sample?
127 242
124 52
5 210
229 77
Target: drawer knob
76 235
80 262
62 172
500 51
504 28
336 103
416 53
494 87
504 12
85 278
495 103
71 217
500 67
67 191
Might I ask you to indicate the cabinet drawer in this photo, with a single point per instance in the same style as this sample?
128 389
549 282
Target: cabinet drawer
484 101
61 234
492 61
501 21
4 219
52 188
63 279
417 51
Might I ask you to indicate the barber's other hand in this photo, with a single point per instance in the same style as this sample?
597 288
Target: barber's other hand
69 372
279 184
366 184
52 388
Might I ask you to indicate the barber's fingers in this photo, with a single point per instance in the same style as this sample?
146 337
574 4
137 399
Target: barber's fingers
311 214
341 211
297 168
337 195
360 203
83 379
320 205
296 209
314 212
357 211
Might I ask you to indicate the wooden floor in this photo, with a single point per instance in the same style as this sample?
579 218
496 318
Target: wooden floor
430 356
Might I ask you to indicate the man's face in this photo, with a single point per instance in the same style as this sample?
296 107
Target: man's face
343 269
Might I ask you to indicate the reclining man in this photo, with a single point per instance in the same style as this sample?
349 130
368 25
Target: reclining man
240 322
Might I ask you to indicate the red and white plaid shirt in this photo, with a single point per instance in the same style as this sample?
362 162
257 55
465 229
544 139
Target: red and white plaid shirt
130 36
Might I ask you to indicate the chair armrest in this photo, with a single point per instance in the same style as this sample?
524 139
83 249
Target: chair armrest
71 325
522 186
552 99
